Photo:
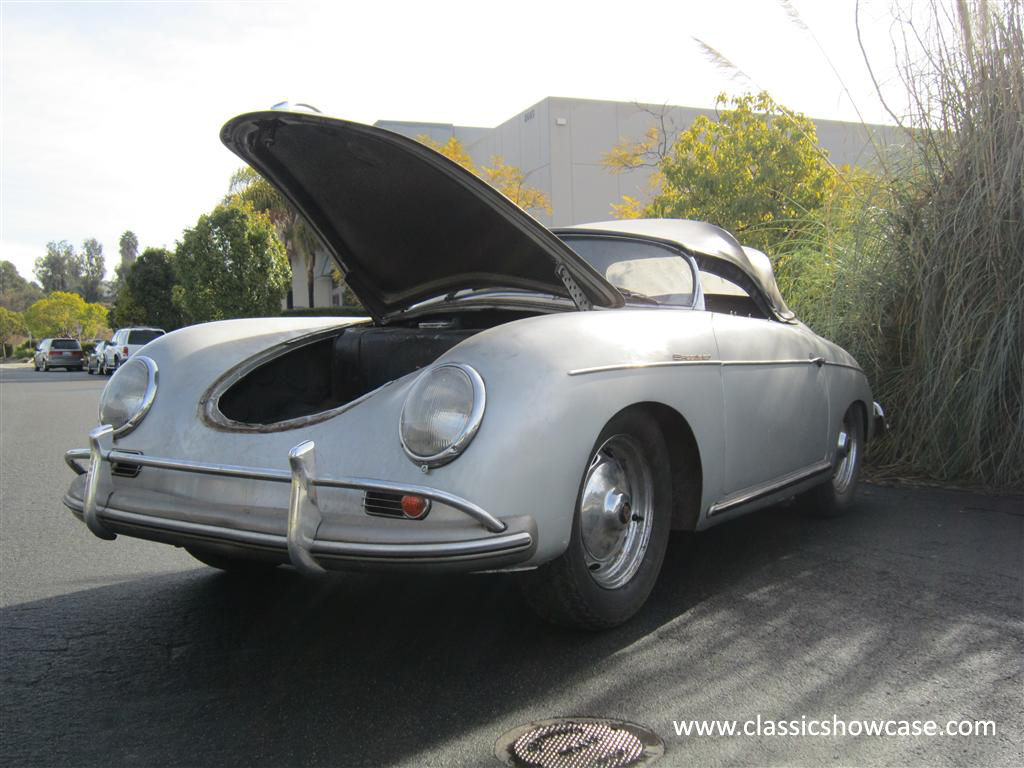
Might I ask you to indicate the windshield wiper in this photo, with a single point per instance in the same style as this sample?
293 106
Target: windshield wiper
642 297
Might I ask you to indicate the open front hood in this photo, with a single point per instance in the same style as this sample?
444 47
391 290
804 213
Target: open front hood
404 222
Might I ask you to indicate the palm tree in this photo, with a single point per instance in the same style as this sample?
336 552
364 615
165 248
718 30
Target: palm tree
298 237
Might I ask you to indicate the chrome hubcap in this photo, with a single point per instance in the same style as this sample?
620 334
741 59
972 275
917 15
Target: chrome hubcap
615 511
847 454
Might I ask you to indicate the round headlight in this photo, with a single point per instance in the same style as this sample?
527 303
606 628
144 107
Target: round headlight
442 413
129 394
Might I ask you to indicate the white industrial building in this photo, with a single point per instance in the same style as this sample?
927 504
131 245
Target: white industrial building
559 144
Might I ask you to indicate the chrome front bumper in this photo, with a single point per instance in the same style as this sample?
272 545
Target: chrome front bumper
502 546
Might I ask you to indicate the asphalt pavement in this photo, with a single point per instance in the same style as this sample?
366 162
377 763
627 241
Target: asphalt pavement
131 653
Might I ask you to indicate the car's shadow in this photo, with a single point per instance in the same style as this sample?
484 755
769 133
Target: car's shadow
202 668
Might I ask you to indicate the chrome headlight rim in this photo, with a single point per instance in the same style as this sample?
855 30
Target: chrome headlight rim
476 416
152 376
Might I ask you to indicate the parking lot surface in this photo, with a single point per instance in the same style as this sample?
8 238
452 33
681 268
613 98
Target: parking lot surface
127 652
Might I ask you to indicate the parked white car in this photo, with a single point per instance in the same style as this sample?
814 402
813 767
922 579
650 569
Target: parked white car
545 402
125 343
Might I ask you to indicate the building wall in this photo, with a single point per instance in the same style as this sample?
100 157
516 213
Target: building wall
558 143
325 293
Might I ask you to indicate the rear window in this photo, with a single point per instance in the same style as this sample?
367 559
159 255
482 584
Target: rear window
143 337
65 344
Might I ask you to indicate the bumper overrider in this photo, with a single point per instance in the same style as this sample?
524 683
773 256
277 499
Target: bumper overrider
503 544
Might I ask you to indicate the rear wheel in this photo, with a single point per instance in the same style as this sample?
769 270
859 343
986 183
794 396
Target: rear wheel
231 564
835 497
619 531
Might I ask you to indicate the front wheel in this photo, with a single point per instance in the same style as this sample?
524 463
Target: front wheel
619 531
835 497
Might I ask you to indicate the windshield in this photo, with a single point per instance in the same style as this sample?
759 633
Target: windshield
642 271
143 337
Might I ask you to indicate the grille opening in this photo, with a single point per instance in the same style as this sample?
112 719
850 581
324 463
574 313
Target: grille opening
124 468
383 504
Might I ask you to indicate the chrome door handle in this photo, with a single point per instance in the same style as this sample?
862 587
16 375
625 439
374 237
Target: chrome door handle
818 361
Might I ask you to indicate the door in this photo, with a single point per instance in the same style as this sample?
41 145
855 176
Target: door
775 400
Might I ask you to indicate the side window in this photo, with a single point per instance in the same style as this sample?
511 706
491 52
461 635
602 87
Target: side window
641 270
725 293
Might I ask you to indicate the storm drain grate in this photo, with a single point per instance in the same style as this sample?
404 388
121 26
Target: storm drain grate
580 742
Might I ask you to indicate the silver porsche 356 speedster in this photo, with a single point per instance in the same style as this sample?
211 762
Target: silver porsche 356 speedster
522 399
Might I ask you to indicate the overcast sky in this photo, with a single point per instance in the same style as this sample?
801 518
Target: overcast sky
110 111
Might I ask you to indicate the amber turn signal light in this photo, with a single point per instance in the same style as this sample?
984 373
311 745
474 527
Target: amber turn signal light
415 507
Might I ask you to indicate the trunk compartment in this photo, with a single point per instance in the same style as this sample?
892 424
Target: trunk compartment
330 372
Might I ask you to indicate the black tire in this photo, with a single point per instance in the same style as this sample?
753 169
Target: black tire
564 591
239 565
836 496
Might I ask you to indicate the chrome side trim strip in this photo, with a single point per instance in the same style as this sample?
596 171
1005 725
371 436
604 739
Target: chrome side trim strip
672 363
856 368
759 492
630 366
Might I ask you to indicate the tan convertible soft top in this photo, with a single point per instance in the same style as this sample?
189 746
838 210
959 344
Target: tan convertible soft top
705 239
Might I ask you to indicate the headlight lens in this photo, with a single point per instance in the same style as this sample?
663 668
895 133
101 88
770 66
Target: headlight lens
442 413
129 394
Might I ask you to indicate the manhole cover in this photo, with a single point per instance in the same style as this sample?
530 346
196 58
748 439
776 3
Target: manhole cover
579 742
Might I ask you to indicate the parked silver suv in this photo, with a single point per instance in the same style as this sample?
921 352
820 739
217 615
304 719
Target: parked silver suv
59 353
126 342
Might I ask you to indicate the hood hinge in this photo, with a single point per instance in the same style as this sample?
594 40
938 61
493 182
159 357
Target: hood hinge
575 292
